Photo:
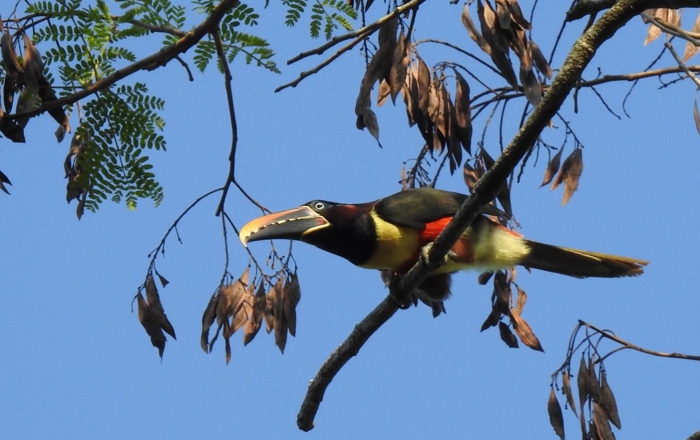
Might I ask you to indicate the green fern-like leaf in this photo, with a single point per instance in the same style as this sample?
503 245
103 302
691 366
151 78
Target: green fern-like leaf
121 125
294 10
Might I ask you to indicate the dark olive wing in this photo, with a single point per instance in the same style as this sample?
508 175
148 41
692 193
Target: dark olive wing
416 207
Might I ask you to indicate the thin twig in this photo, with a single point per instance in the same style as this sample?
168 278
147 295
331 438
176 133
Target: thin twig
682 65
307 73
160 248
360 33
232 118
631 346
357 36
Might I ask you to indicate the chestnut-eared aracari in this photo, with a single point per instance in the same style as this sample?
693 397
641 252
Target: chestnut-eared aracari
390 233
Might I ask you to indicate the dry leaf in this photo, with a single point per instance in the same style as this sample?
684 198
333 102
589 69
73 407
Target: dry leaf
80 207
566 388
227 342
208 318
435 115
410 95
593 386
524 331
573 175
608 403
492 320
384 92
37 84
156 307
493 34
673 17
474 34
573 165
696 115
552 168
244 311
269 308
502 292
540 60
454 145
497 43
399 65
520 301
582 383
653 32
33 66
507 336
556 418
377 69
13 71
10 129
423 87
4 180
253 325
531 86
291 294
279 321
150 324
163 281
600 421
462 112
503 14
690 48
516 14
471 176
230 299
224 303
503 195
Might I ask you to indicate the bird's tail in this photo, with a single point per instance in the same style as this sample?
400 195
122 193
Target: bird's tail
580 264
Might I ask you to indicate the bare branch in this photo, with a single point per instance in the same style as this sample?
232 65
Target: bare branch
307 73
582 8
626 344
360 33
682 65
232 116
340 356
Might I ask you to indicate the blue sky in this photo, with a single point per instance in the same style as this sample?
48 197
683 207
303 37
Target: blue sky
77 364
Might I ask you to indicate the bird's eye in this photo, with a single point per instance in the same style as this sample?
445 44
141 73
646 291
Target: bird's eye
319 205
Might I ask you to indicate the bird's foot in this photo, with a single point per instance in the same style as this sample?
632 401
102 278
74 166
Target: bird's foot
425 257
392 280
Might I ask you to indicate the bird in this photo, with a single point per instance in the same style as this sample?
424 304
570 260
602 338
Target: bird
390 234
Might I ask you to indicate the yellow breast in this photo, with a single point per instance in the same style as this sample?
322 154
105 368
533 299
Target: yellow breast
396 246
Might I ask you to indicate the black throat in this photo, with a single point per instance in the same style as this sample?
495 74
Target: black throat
351 233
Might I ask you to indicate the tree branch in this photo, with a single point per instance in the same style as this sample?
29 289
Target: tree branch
340 356
625 344
583 8
232 116
151 62
485 190
360 33
358 36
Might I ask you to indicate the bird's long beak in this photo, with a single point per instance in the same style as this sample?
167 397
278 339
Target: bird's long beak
290 224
